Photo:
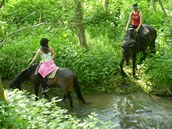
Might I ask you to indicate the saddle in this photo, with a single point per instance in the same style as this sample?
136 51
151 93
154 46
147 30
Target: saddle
52 74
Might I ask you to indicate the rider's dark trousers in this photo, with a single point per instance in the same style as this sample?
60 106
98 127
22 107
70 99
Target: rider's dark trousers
41 80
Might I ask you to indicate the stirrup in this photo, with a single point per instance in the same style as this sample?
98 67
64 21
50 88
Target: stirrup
45 90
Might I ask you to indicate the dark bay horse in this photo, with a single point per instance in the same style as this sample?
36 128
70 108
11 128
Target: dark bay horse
133 44
64 78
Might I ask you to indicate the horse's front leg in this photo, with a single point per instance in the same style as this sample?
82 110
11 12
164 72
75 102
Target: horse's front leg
19 87
121 67
36 89
134 64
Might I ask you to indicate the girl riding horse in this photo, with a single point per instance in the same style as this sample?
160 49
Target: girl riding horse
47 64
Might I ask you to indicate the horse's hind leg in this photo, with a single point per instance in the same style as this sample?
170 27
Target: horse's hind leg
143 57
121 67
45 95
64 97
152 47
70 99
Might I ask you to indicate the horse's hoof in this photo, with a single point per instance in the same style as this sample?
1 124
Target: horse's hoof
123 74
136 77
45 95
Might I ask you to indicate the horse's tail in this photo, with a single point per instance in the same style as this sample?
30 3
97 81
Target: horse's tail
77 89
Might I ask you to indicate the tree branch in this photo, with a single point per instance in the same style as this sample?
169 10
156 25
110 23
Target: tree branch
25 28
26 17
3 1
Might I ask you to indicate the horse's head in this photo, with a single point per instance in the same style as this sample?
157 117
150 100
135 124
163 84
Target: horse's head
19 79
128 44
24 75
127 52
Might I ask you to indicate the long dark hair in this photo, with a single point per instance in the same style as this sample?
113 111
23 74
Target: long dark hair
44 43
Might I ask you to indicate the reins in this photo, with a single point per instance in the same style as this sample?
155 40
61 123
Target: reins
29 73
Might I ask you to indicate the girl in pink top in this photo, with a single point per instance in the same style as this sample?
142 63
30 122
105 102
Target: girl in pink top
47 64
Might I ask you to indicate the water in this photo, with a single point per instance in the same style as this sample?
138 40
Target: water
133 111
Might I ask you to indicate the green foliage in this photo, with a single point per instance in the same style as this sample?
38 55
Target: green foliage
22 112
158 70
30 12
91 67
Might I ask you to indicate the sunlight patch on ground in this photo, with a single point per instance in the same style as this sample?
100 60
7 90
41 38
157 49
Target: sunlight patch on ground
139 78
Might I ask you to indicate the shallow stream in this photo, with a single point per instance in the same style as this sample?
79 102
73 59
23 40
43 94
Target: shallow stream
133 111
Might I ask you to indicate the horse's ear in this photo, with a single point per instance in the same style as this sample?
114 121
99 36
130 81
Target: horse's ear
131 45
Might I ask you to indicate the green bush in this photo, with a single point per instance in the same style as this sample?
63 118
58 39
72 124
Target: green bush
93 67
158 70
22 112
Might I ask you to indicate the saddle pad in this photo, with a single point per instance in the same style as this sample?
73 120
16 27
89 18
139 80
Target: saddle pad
145 30
52 74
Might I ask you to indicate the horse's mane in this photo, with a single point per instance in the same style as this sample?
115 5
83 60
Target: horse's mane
130 33
32 68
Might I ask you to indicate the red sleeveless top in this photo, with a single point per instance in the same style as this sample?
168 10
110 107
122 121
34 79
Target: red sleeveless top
135 18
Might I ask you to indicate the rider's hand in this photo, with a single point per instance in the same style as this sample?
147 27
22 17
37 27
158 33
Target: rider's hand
137 30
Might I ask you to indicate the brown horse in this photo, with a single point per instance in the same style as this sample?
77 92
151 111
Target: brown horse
64 78
133 44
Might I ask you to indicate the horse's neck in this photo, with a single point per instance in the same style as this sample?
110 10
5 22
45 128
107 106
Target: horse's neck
130 36
19 79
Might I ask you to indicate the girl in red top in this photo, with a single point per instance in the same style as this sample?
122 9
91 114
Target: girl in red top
135 18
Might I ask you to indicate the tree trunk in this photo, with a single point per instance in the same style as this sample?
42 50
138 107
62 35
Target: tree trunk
2 96
79 24
163 9
154 5
106 5
64 4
